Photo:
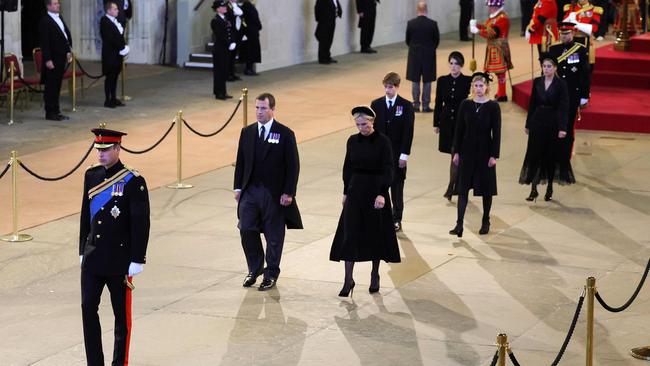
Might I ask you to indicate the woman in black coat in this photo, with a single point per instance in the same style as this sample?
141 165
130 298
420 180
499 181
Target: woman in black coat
365 231
476 147
546 126
450 91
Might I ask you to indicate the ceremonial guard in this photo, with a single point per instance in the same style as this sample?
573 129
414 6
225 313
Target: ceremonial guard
113 236
223 43
497 54
586 18
573 68
542 29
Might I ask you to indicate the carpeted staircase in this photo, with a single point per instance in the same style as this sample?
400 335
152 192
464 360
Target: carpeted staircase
620 90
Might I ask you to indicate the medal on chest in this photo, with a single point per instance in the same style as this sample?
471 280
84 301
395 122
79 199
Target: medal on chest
118 189
399 110
115 212
573 59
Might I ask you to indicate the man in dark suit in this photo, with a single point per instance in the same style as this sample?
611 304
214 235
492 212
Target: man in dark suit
266 177
395 119
326 12
367 10
466 11
56 48
113 51
223 44
113 238
422 38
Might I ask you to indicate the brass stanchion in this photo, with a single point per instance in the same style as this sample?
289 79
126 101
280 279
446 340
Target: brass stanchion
244 95
502 343
123 78
74 82
15 237
622 42
591 293
179 155
11 93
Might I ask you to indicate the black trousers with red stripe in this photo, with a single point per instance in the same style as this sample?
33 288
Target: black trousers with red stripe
91 291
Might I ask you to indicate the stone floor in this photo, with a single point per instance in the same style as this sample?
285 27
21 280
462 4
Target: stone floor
443 305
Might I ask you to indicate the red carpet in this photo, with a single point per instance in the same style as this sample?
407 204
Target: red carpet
620 90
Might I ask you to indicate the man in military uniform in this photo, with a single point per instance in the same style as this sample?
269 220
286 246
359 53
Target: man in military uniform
586 18
542 29
572 67
113 236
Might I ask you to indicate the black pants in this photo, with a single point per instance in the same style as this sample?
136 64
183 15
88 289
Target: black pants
259 213
91 292
526 13
367 30
220 70
52 92
110 85
231 62
465 15
325 36
397 193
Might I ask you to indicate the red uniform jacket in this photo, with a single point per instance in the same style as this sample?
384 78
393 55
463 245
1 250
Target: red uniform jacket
543 24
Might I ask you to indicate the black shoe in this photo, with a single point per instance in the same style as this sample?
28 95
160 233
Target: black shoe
251 278
458 231
503 98
222 96
533 195
485 227
324 62
368 50
549 194
118 103
427 110
53 117
267 284
63 117
250 73
416 108
347 290
448 194
109 104
233 78
333 61
374 288
398 226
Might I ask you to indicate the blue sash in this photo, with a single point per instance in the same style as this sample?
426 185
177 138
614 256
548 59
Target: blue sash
102 198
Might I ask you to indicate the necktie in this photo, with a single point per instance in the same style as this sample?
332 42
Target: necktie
262 133
390 104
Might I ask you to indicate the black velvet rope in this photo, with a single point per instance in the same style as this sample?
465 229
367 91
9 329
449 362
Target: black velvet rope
4 171
512 357
631 300
152 146
495 358
27 85
572 328
37 176
217 131
86 72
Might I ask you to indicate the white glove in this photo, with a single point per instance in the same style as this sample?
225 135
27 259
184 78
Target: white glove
135 268
585 28
81 259
583 101
527 35
237 10
473 29
125 51
244 38
571 18
232 46
472 22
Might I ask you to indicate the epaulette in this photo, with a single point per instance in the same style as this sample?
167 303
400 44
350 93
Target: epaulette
598 10
93 166
132 170
567 7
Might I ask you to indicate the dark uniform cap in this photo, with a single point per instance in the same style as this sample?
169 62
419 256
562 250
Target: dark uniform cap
363 109
106 138
547 56
219 3
485 75
566 27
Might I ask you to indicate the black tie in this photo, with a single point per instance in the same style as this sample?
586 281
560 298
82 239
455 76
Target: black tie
390 104
261 137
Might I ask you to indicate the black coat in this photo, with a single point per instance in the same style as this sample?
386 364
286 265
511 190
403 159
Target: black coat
118 233
397 124
251 50
477 138
54 45
280 170
326 13
112 44
573 68
124 15
450 92
422 37
365 233
368 8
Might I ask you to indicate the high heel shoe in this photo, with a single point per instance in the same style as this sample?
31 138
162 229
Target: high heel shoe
448 194
347 291
372 289
533 195
485 227
458 231
549 195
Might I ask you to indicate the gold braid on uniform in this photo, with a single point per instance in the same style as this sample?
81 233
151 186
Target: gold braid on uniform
569 52
109 182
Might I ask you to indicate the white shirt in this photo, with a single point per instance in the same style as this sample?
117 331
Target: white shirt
117 24
267 128
59 22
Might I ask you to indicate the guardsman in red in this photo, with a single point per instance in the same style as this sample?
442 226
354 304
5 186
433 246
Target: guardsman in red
542 29
586 18
113 237
497 53
634 20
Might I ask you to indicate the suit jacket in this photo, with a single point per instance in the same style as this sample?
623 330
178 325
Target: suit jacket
555 98
54 45
112 44
118 233
422 37
367 7
280 169
222 34
573 67
396 123
325 11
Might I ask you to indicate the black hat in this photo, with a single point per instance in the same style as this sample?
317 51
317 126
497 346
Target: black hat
547 56
363 109
458 57
106 138
485 75
566 27
219 3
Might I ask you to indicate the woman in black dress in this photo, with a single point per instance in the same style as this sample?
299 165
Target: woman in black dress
546 124
365 231
476 149
450 91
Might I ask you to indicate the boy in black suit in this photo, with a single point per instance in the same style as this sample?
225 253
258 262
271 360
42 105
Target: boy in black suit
113 51
266 177
395 119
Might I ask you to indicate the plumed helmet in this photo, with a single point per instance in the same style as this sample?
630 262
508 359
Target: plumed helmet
494 2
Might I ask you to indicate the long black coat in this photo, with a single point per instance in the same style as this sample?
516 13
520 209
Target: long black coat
397 124
365 233
422 38
280 170
251 50
450 92
112 44
477 138
118 233
326 14
54 45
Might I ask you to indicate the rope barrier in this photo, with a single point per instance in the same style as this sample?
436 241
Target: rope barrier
154 145
5 169
37 176
572 328
631 300
27 85
512 357
495 358
86 72
217 131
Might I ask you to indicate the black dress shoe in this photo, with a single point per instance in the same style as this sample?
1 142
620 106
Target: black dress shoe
324 62
233 78
427 110
118 103
222 96
63 117
333 61
457 230
109 104
368 50
52 117
250 73
267 284
485 227
251 278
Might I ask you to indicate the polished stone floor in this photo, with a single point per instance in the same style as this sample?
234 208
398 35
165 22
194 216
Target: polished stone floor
443 305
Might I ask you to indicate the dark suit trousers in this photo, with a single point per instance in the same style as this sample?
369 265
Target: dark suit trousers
260 213
367 30
110 84
220 71
52 92
325 39
91 292
463 21
397 193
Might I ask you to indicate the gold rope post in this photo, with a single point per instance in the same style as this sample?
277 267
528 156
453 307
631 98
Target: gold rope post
179 155
591 293
244 95
502 343
11 93
123 75
74 82
622 42
15 237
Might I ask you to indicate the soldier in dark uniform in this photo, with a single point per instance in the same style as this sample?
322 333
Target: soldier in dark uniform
113 236
223 43
466 11
367 10
573 68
